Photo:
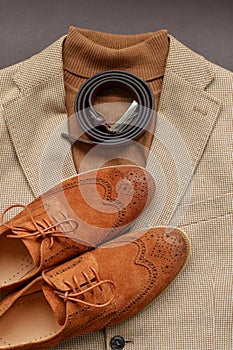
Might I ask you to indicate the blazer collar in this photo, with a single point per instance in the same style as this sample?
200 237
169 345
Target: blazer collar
189 65
39 107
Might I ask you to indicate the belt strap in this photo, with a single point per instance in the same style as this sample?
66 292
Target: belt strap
95 125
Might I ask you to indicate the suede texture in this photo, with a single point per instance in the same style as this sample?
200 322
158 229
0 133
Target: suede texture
84 210
133 269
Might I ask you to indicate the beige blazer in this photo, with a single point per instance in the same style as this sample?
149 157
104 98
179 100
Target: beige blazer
190 159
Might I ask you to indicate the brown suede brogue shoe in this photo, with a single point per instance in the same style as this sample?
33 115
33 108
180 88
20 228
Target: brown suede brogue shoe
86 293
74 216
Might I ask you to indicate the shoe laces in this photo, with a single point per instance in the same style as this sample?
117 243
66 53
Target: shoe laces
43 228
76 292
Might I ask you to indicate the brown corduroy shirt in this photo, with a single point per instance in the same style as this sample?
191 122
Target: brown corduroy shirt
87 52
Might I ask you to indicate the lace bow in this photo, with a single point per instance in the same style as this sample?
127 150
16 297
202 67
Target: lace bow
42 228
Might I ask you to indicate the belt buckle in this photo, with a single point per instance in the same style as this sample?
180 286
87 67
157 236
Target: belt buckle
126 118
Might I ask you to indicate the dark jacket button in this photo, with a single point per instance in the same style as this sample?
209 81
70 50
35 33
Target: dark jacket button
117 343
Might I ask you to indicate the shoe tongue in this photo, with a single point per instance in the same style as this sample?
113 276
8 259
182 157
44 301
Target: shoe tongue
55 281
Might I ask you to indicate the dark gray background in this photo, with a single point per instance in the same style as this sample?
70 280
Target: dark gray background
27 26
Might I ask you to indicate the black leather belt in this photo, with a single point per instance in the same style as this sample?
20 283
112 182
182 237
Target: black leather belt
96 126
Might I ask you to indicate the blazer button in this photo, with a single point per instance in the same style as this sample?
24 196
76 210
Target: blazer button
117 343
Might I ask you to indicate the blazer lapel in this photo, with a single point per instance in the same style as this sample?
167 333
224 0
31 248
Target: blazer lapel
185 119
37 115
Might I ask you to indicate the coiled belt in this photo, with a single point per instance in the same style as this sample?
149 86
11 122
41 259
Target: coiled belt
95 125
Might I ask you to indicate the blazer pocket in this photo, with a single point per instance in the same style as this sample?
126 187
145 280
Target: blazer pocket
209 209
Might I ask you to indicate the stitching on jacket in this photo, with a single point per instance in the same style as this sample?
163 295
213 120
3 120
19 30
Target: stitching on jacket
204 220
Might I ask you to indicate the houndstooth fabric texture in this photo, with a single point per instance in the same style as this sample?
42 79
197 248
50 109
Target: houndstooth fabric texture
190 159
